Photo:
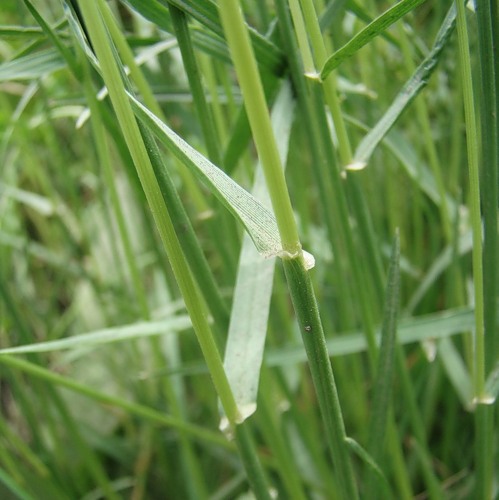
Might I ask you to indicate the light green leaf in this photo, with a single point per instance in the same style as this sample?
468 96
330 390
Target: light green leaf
456 372
105 336
31 66
258 221
252 294
431 326
372 30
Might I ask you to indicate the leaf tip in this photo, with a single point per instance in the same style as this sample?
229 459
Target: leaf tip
356 165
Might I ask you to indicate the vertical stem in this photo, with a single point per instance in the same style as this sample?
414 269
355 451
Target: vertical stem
259 118
307 312
484 412
476 222
299 282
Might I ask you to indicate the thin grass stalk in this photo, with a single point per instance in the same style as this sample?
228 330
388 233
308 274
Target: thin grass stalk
298 278
258 116
484 412
139 410
330 85
141 159
179 20
332 197
476 222
487 17
382 390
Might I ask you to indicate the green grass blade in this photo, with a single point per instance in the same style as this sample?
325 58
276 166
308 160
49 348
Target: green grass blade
253 290
206 12
431 326
106 336
10 483
258 221
371 465
411 89
457 372
372 30
382 391
31 66
134 408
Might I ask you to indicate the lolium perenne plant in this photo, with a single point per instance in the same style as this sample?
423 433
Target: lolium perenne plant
248 249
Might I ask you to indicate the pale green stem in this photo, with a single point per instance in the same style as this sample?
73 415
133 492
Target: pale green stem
476 222
329 84
259 118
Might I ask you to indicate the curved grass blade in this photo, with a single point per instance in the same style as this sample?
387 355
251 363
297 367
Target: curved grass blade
411 89
258 221
372 30
145 412
105 336
252 294
371 464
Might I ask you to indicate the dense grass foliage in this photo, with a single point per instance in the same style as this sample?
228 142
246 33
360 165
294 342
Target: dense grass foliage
249 248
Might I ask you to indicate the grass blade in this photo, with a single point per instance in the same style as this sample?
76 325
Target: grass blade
372 30
105 336
31 66
409 92
382 391
258 221
253 290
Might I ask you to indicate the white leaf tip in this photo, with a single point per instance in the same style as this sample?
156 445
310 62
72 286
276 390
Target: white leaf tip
356 165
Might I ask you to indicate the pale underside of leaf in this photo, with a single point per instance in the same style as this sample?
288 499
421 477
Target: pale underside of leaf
258 221
253 290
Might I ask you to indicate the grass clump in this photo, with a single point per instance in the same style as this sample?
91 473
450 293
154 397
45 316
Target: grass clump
233 259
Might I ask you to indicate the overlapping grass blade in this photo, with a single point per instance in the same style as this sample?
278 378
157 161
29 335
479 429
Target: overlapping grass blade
456 371
372 30
431 326
106 336
409 92
258 221
150 414
253 290
31 66
206 13
371 464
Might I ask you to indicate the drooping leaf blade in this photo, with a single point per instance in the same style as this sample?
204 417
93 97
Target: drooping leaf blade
258 221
